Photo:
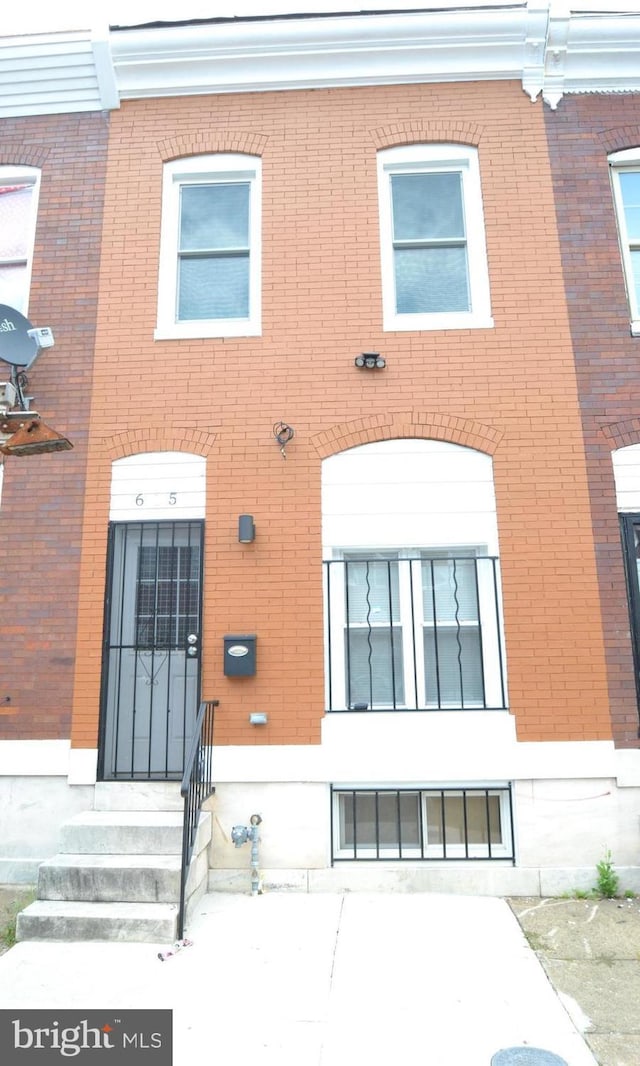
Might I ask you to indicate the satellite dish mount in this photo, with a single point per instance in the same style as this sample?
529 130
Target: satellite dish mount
21 430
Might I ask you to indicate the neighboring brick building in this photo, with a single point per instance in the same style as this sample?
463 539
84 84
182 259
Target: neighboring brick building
445 685
585 136
53 145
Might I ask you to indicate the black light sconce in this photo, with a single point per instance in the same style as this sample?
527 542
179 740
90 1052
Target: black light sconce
246 529
370 361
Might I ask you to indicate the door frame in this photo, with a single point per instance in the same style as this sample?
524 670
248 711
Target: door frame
105 773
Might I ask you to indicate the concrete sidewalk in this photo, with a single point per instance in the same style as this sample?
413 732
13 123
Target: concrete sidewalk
321 980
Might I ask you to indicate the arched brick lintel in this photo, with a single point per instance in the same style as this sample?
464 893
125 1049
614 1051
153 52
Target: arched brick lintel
23 155
622 434
208 142
148 439
437 132
373 428
616 140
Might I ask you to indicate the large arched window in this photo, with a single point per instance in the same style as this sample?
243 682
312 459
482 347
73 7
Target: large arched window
412 587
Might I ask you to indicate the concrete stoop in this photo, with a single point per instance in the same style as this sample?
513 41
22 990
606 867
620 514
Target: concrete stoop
116 877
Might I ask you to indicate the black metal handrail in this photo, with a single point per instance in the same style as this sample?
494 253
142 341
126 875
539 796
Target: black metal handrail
196 787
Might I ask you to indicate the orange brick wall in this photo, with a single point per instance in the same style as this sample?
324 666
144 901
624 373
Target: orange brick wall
510 390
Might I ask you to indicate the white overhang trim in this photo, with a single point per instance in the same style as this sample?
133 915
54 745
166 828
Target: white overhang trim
316 52
549 48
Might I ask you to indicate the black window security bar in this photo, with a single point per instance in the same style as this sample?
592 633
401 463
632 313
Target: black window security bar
421 633
436 825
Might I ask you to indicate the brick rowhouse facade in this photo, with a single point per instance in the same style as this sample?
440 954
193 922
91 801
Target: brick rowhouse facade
510 390
43 496
581 134
488 432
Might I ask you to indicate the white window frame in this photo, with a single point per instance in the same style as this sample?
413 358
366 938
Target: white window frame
23 175
200 170
619 162
411 624
430 159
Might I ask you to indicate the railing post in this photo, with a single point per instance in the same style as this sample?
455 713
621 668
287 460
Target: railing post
196 787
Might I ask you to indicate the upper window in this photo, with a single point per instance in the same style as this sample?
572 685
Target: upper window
18 204
209 283
625 173
434 260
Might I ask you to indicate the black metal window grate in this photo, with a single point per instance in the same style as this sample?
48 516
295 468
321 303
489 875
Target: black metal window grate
168 595
420 633
426 824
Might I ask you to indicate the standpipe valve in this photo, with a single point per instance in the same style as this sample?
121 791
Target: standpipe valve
241 834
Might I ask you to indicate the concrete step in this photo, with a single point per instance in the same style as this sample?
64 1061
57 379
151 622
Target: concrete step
110 878
138 796
154 923
122 833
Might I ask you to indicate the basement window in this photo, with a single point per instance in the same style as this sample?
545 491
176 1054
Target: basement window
452 824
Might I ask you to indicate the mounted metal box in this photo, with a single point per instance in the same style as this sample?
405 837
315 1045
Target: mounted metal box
240 655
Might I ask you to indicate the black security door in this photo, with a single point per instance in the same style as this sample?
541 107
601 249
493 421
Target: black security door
630 526
151 658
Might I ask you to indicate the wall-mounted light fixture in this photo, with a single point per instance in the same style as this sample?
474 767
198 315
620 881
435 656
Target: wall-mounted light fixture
30 436
258 718
370 361
246 529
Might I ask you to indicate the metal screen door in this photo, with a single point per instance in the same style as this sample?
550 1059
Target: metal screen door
151 657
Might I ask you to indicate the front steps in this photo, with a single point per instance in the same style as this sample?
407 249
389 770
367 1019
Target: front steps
117 875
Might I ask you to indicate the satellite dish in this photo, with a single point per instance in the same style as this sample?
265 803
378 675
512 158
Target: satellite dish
16 346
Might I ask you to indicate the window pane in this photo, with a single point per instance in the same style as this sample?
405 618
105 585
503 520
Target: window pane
214 217
214 288
635 266
451 584
374 665
15 204
372 590
12 285
453 666
630 186
365 819
427 206
167 595
429 280
398 821
480 811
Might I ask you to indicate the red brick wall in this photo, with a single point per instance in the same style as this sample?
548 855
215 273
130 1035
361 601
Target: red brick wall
580 135
42 498
510 389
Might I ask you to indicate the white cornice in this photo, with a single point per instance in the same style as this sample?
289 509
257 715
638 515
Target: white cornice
317 52
549 48
543 43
